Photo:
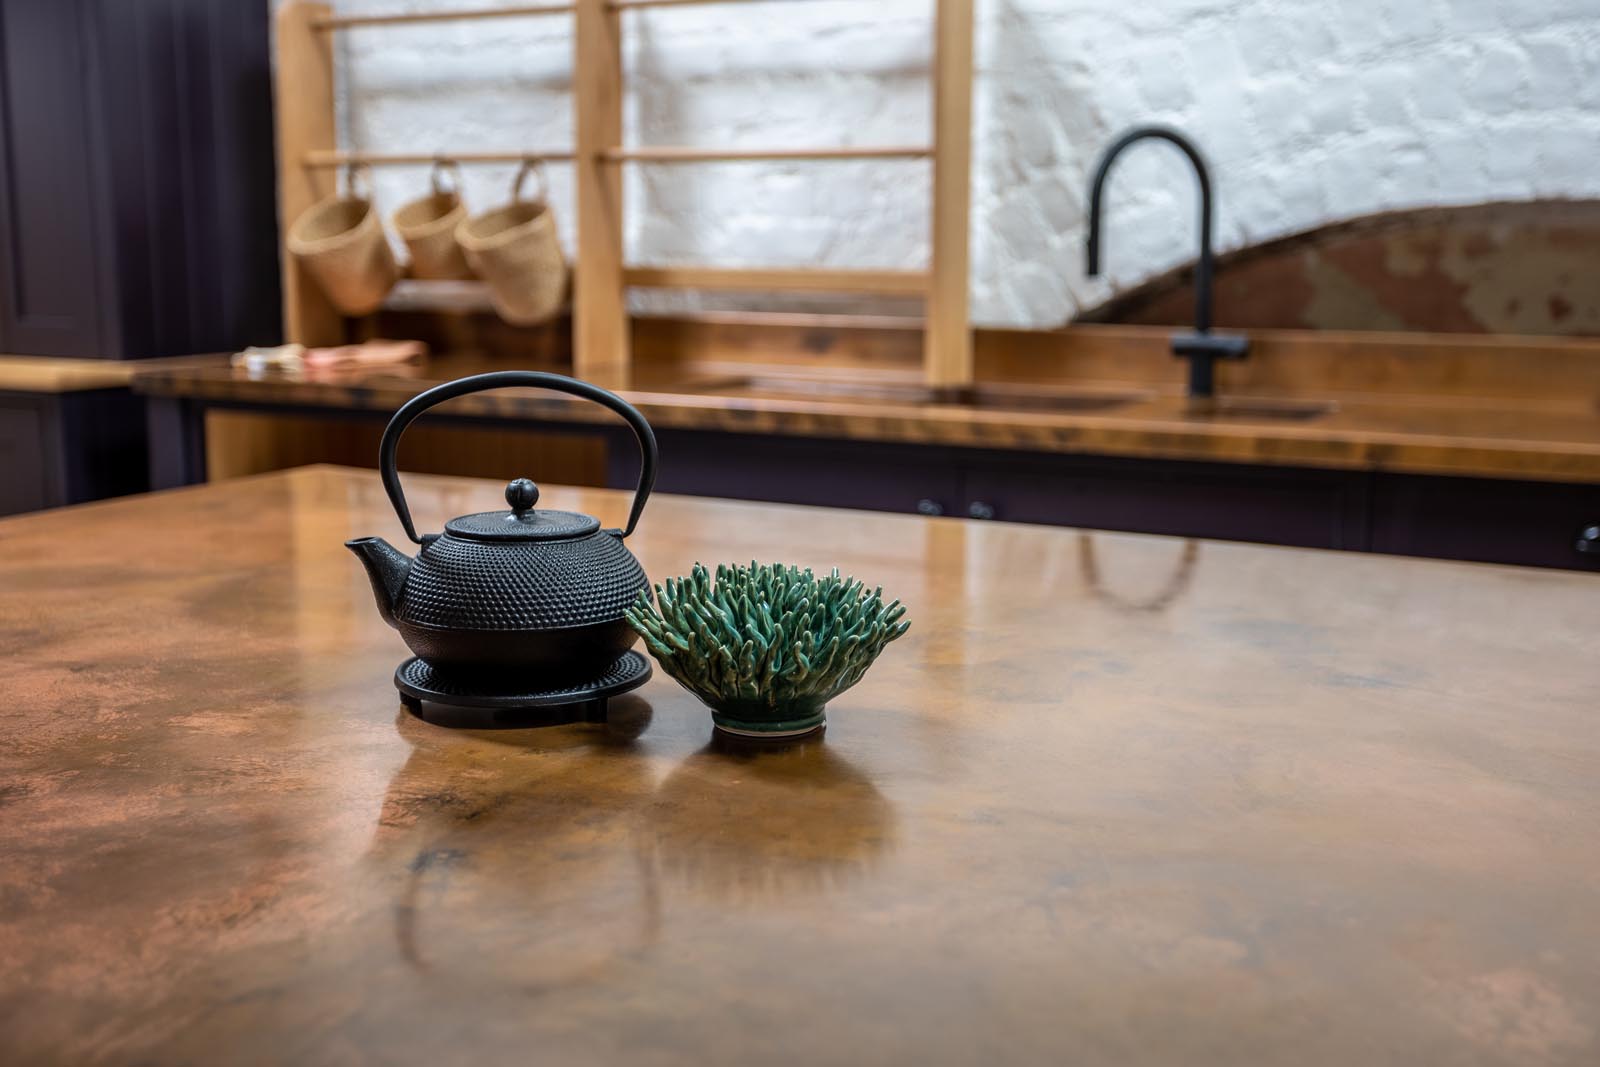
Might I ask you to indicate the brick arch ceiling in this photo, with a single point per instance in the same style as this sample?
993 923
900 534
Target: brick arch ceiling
1527 267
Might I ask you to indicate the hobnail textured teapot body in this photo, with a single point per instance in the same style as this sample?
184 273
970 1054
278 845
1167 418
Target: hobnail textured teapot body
507 592
544 605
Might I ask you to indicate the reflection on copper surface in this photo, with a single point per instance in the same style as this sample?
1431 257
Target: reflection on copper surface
742 822
1174 588
564 904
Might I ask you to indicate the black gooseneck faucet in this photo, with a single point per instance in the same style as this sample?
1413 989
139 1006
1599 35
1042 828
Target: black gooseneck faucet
1202 348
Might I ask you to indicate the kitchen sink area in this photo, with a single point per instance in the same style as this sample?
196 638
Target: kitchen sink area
1021 397
1269 410
995 396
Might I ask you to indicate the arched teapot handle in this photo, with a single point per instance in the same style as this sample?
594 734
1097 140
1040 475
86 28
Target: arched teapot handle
478 383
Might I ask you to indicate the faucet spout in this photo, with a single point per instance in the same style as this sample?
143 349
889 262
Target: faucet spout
1200 348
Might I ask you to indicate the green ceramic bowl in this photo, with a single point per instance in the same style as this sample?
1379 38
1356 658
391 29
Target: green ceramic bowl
766 648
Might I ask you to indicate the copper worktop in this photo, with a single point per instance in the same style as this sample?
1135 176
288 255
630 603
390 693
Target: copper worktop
1554 437
1113 800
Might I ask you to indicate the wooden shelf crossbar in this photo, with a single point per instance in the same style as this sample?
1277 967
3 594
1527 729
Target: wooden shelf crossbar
330 158
325 159
757 279
404 18
689 154
307 147
632 5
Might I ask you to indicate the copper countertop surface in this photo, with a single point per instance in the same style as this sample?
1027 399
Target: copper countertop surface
1113 800
1556 439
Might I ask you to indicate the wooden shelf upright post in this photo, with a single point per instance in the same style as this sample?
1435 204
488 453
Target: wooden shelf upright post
303 109
601 350
947 344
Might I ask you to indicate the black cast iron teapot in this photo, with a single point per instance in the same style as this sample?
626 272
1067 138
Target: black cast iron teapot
518 591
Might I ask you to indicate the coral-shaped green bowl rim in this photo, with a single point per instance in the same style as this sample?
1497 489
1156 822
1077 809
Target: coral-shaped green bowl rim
766 647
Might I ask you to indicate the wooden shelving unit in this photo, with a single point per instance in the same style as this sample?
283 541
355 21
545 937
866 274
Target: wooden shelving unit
309 158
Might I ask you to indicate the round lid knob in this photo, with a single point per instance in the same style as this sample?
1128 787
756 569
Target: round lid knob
522 495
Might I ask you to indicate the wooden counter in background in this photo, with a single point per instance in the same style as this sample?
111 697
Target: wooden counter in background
1112 800
53 374
1453 446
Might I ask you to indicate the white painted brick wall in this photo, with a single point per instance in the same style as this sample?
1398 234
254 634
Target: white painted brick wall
1310 110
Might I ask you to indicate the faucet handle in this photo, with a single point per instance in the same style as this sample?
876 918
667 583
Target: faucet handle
1202 349
1214 345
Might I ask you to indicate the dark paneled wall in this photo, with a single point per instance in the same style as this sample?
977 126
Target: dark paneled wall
137 213
50 191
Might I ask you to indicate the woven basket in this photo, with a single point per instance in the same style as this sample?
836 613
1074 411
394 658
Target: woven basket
342 245
516 251
428 227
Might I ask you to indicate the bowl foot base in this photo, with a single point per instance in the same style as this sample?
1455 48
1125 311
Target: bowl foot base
770 735
769 731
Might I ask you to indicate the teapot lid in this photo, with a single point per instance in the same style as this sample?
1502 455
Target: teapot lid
522 522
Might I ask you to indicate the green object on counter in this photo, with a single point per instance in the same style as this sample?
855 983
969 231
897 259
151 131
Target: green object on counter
766 647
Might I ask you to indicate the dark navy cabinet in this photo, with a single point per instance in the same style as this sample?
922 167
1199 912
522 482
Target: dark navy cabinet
66 448
1539 524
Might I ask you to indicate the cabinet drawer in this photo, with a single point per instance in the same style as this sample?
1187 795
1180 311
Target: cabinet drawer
1532 523
1287 506
798 470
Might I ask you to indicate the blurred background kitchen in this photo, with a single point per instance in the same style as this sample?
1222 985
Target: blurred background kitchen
839 253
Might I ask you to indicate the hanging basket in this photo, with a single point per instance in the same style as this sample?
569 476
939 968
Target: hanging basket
428 224
515 249
341 243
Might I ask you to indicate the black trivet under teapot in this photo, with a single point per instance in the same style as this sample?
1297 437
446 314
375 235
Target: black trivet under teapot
512 609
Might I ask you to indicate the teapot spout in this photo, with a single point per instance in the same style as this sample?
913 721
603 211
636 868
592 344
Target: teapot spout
386 568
